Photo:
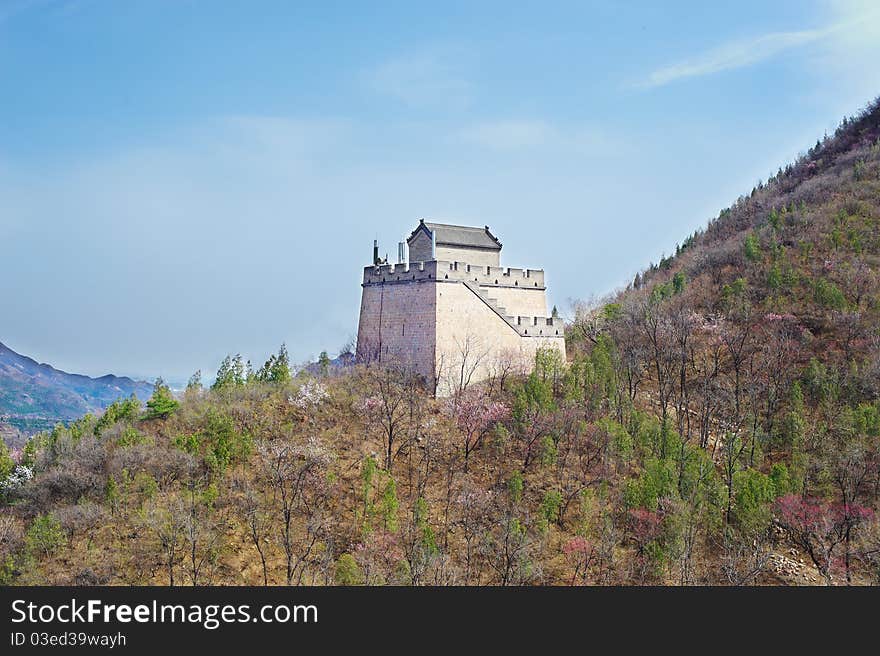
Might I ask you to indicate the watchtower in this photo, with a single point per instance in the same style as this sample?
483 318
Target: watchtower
451 313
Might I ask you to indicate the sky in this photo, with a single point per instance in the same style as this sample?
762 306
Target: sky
184 179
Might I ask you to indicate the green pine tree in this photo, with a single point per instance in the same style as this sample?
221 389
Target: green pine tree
162 404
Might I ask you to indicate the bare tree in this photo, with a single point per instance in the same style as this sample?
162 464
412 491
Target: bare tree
684 323
295 474
440 366
588 320
203 529
167 524
473 504
581 461
737 333
507 363
854 470
255 508
508 549
395 405
659 330
770 370
469 354
475 415
744 558
706 364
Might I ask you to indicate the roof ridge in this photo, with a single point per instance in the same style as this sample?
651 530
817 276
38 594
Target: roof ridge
455 225
451 234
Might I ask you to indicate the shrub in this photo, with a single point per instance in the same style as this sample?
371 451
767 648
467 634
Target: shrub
310 395
655 482
218 442
621 440
16 479
161 464
126 410
347 571
678 282
7 465
45 536
828 295
752 248
80 472
753 492
79 518
549 509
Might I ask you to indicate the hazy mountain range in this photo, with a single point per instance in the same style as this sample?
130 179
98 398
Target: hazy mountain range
35 396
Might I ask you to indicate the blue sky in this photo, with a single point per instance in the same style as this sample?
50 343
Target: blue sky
181 180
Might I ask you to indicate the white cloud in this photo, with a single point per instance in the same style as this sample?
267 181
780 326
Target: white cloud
729 56
851 35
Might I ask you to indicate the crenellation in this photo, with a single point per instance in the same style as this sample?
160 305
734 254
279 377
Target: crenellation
485 276
540 322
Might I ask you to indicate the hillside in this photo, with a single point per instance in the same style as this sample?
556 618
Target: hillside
718 422
36 396
813 220
782 286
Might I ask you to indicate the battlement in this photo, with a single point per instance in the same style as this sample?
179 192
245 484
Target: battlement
400 272
538 326
485 276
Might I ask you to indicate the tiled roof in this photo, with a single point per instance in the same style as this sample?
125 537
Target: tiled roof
454 235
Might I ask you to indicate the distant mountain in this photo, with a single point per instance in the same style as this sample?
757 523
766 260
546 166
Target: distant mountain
36 396
334 366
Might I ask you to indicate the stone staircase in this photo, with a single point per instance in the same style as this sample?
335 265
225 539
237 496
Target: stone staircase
493 305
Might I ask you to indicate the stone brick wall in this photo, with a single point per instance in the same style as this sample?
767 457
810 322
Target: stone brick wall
473 256
471 336
397 324
420 248
525 301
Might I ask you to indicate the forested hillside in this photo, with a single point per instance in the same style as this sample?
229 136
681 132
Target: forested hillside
717 422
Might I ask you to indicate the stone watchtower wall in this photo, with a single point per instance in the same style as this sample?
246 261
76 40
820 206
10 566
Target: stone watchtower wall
398 319
453 322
